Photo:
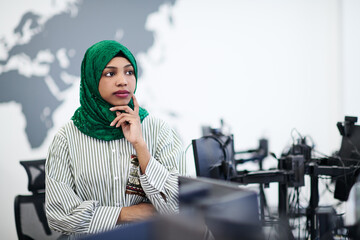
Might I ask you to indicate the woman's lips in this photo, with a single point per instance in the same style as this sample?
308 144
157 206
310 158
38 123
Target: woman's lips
122 93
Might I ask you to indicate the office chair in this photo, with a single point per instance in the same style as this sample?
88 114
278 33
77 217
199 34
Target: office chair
30 218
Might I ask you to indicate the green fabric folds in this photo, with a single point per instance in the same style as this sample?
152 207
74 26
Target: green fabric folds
93 117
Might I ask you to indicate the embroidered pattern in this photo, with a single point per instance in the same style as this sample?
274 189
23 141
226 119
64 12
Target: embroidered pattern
133 185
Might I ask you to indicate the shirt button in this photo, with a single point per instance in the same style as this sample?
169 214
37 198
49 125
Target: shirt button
113 150
116 178
117 204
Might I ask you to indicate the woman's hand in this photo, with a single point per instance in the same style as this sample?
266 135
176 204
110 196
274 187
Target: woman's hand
129 121
141 211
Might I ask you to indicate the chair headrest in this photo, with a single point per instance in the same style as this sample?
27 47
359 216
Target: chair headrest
35 170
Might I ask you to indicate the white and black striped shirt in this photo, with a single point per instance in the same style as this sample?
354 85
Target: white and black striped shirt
86 178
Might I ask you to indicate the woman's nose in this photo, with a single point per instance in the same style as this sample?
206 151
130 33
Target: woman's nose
121 81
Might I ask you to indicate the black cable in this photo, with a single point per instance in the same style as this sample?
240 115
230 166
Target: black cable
354 146
343 165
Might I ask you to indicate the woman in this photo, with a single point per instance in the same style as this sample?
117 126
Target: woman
113 163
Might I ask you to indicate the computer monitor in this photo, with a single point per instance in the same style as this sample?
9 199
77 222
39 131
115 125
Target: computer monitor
348 155
350 145
208 207
214 156
228 211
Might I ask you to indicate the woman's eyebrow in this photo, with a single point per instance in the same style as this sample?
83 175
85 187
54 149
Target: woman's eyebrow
129 65
110 67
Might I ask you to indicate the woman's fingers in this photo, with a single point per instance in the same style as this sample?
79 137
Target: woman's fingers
127 111
124 114
117 119
122 118
122 108
136 104
127 108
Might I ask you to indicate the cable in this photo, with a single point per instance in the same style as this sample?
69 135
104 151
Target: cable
295 130
312 141
187 148
354 146
223 146
342 163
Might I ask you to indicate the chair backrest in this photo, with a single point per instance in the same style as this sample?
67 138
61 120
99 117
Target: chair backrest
30 217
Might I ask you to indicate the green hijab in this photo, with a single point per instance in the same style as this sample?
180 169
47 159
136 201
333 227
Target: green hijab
93 117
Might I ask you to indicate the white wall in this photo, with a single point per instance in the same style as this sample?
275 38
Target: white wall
265 67
351 57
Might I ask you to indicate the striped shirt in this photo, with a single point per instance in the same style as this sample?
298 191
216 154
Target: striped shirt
88 181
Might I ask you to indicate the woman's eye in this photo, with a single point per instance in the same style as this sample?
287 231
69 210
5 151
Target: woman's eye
130 72
109 74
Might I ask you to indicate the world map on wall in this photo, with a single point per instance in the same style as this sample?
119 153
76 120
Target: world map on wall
63 40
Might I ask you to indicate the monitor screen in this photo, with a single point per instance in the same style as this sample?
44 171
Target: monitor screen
214 156
228 211
350 147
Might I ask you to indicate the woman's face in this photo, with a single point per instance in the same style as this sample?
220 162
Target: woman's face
117 82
